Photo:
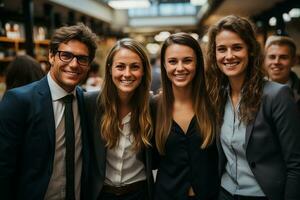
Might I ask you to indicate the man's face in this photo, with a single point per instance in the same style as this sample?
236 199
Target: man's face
278 62
66 71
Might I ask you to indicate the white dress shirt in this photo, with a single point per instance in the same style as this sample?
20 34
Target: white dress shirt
122 165
57 185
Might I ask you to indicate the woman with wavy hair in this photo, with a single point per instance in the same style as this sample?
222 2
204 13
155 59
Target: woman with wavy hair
121 126
185 134
257 120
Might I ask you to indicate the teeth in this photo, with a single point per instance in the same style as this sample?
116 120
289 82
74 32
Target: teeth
276 69
230 64
72 73
126 82
180 75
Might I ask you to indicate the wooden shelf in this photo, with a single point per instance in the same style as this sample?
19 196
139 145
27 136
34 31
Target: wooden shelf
17 46
20 40
6 59
42 58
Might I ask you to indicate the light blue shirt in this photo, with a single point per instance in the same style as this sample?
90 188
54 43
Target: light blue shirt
238 178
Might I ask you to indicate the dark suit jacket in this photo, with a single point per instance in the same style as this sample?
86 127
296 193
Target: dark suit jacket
27 141
273 144
98 151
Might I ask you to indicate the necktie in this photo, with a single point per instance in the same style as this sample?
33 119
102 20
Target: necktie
70 147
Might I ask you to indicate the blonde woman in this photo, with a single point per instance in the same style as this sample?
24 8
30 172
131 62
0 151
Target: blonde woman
121 126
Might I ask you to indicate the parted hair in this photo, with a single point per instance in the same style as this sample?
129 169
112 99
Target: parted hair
140 122
202 107
217 81
78 32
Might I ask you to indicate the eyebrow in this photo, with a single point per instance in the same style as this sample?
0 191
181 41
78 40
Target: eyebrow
125 63
177 57
73 53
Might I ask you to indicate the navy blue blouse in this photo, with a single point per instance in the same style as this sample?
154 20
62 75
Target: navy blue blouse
185 164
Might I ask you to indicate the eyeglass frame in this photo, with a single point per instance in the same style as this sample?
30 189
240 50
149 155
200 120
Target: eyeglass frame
73 56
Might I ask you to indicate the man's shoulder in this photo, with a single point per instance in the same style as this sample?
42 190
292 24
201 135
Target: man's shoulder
27 90
295 81
272 89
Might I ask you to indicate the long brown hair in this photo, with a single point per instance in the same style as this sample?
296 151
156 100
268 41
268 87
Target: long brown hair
203 109
140 122
254 79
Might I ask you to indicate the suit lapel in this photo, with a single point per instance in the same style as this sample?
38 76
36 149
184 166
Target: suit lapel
47 109
100 150
249 130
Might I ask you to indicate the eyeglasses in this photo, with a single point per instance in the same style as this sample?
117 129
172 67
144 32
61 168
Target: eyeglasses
66 56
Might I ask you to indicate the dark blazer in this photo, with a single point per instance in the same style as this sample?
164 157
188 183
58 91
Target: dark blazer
98 150
27 141
273 144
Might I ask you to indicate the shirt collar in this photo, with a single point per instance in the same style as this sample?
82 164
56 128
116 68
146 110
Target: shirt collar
57 92
126 119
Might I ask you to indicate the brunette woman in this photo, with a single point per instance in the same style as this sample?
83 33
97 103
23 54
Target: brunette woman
185 135
258 121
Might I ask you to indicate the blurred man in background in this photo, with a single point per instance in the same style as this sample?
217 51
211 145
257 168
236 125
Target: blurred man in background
280 57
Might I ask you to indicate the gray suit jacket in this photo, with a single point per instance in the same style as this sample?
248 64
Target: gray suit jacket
273 144
98 150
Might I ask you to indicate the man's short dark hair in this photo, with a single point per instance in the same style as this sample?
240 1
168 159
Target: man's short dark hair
78 32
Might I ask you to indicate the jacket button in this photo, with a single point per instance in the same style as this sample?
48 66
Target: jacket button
252 164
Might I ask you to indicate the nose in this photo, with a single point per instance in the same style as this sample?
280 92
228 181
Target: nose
73 62
127 71
276 60
180 66
229 54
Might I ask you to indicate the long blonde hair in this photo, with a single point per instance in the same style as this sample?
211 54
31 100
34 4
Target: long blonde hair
140 122
203 109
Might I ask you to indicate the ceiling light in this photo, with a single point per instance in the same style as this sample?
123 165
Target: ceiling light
153 48
195 36
205 38
286 17
162 36
198 2
128 4
272 21
295 12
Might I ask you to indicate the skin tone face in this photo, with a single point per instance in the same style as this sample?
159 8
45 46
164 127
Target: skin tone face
127 72
278 62
232 55
69 74
180 65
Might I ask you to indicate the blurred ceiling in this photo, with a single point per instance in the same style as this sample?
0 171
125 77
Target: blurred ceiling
255 9
205 15
246 8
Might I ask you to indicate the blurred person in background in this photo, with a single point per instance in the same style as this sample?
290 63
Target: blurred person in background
93 81
280 57
2 81
155 75
22 71
258 120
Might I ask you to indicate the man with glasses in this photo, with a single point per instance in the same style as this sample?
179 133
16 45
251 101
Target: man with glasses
43 134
